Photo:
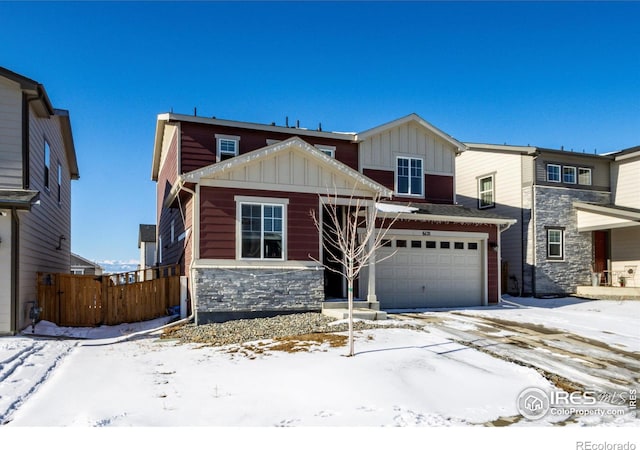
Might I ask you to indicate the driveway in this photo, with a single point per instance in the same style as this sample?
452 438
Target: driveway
571 361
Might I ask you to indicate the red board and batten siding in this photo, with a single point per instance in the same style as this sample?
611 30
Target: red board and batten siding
438 188
491 230
199 144
218 223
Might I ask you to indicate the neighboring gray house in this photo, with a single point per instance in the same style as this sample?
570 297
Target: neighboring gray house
147 246
576 213
82 266
37 163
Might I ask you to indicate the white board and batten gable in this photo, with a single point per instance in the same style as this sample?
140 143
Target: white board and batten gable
409 136
291 166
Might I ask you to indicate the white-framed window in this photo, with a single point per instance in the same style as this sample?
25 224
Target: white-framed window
226 146
553 173
329 150
409 176
262 228
486 192
584 176
555 243
59 183
47 163
77 271
569 174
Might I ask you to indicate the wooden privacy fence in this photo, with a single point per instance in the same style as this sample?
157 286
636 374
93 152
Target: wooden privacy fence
89 300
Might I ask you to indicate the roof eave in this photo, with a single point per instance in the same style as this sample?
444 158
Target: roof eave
25 203
67 137
629 155
157 145
609 211
345 136
522 149
455 219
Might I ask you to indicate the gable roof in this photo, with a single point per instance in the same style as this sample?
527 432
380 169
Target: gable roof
77 260
36 90
37 96
165 118
413 117
298 147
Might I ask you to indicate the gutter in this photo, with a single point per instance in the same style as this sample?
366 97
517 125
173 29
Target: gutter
456 219
195 232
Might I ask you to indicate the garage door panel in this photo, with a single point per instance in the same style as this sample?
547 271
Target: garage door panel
426 277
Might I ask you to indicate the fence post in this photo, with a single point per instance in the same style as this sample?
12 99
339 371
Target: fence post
104 299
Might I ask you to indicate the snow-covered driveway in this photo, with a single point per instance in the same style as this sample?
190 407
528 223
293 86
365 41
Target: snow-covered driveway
577 344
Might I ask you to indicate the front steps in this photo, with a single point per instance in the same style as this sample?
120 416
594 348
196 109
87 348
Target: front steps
339 309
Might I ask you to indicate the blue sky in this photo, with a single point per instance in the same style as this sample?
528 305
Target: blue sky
549 74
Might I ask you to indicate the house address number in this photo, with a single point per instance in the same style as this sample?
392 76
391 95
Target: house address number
426 233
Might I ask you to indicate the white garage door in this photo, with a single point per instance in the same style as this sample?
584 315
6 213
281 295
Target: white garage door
430 272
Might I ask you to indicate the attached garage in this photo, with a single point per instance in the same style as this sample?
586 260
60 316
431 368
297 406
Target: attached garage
432 270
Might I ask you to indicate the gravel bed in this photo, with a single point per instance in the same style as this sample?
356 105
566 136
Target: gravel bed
245 330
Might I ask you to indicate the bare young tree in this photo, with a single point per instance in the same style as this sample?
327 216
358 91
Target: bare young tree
352 230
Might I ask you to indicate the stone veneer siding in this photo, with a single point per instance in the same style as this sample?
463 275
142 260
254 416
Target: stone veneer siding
227 294
554 208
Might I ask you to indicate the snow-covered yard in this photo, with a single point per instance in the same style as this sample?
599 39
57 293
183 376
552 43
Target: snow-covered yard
399 377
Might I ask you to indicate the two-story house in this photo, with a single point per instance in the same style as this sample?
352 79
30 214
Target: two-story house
37 163
615 226
234 202
555 195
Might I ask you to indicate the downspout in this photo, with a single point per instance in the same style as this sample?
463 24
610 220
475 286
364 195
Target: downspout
15 278
194 240
26 170
500 230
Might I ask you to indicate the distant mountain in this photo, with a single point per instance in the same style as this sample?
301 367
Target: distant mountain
113 266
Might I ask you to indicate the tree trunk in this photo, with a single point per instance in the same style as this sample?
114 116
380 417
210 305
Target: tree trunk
350 303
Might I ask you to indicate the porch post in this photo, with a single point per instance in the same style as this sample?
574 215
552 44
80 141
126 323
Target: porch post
371 289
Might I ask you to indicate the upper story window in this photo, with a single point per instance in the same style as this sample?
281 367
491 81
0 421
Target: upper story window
486 192
47 163
409 176
329 150
584 176
557 173
553 173
227 146
262 230
59 183
569 174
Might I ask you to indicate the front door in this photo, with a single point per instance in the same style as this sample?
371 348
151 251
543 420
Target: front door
331 255
601 252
